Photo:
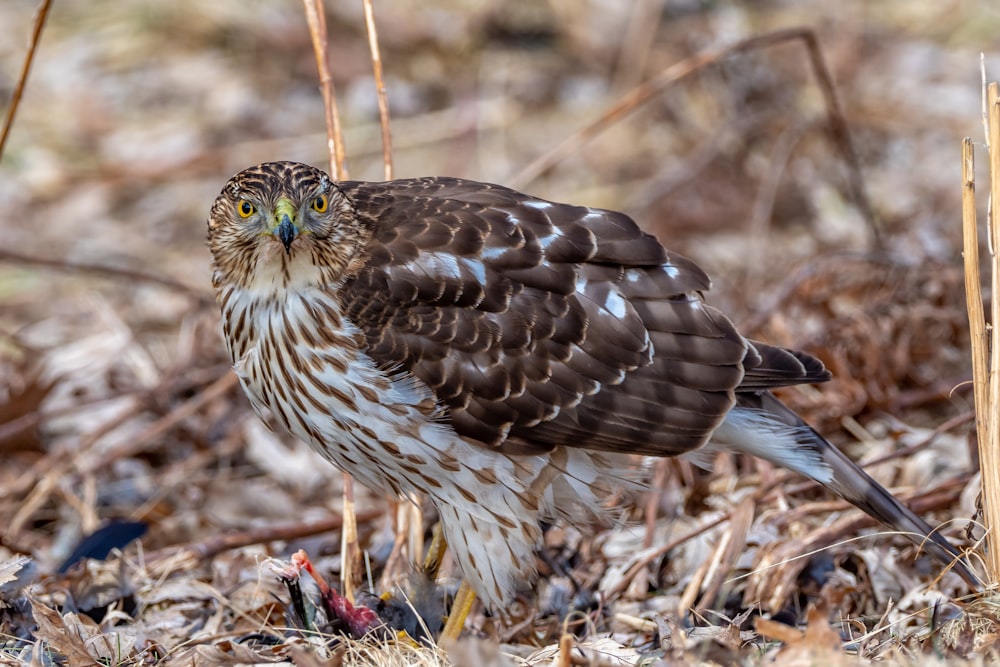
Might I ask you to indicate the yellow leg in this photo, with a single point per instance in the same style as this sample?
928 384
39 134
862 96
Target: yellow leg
465 597
435 552
459 612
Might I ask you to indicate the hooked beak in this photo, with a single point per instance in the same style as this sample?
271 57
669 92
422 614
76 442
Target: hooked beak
283 226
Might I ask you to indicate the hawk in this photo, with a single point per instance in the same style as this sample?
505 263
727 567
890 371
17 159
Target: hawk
504 355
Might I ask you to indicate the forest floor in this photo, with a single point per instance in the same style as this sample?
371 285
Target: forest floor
118 408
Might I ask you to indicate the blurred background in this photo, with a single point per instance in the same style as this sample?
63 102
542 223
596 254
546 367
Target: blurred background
136 113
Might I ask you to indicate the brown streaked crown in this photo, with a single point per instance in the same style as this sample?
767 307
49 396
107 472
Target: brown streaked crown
330 242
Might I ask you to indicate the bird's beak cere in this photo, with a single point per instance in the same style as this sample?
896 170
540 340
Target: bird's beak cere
283 226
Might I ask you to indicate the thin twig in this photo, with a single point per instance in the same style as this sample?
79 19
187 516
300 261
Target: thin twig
43 477
22 80
678 71
637 44
383 98
763 205
316 17
151 433
209 548
842 135
57 465
772 582
108 272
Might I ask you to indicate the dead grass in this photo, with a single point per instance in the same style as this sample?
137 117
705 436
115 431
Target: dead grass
115 399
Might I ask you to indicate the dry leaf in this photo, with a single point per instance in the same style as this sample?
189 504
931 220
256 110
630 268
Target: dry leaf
63 635
14 575
19 411
819 644
603 651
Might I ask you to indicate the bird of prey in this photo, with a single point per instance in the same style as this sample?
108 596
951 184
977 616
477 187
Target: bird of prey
504 355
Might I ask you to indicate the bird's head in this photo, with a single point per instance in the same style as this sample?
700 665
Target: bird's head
282 225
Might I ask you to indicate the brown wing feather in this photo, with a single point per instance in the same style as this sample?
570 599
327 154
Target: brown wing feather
780 367
540 324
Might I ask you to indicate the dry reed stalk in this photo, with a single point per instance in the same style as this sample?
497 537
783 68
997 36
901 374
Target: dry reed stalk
350 552
973 296
985 365
22 79
989 448
316 17
383 98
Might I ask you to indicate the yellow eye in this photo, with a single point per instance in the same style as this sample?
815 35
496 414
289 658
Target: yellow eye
320 203
245 208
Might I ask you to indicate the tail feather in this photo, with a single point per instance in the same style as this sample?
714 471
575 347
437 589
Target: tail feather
761 425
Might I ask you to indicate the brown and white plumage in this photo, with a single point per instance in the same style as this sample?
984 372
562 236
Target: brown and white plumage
497 352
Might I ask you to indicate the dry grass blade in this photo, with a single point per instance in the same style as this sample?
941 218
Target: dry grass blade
369 651
107 180
214 391
723 561
22 79
58 464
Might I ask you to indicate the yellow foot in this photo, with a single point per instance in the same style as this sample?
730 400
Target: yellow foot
459 612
